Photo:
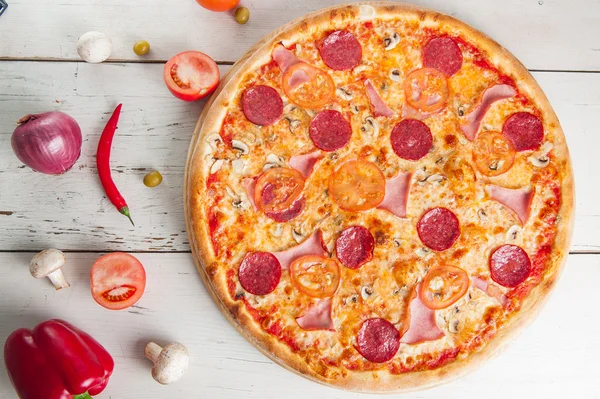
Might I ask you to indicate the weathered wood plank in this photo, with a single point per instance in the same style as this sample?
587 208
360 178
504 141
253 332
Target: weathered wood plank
71 212
176 307
555 35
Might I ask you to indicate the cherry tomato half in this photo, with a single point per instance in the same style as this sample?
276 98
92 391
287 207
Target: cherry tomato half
191 75
308 86
443 286
357 185
316 276
493 153
426 89
218 5
277 189
118 280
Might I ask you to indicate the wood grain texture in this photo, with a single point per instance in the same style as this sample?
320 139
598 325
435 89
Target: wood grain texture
176 307
71 211
543 34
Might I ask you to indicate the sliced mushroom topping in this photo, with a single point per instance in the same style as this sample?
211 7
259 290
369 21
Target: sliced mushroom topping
277 230
482 215
436 179
354 109
351 299
239 166
344 94
460 110
360 68
294 123
395 75
273 161
496 164
397 242
391 42
453 326
513 232
214 140
370 126
366 292
289 108
216 166
237 201
240 146
423 252
337 107
297 235
540 159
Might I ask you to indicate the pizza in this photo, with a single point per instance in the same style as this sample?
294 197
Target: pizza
379 196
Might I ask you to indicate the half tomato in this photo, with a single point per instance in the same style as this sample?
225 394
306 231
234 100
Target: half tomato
118 280
191 75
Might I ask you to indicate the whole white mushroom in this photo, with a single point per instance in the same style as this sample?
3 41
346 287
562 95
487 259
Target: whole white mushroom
170 362
47 264
94 47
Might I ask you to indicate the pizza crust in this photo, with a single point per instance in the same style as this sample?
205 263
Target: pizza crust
197 171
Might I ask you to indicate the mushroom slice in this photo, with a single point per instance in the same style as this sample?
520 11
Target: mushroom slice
216 166
395 75
240 146
365 292
482 215
513 232
391 42
371 126
354 109
436 179
214 140
289 108
239 166
294 123
297 234
351 299
344 94
273 161
277 230
423 252
540 159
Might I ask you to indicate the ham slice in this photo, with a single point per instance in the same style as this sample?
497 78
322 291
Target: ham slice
313 245
249 184
305 163
490 289
422 325
490 96
396 194
517 200
317 316
284 58
298 77
380 108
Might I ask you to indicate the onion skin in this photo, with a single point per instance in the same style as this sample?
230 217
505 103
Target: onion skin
49 143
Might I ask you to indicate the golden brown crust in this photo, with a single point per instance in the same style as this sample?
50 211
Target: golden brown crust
197 171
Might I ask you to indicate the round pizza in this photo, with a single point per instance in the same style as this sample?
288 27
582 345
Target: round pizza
379 196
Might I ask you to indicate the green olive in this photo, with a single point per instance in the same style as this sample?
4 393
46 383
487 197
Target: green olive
152 179
141 47
242 14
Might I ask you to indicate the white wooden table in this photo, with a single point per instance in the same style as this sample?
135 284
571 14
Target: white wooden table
556 357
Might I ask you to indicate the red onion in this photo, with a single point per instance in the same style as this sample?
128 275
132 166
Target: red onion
49 143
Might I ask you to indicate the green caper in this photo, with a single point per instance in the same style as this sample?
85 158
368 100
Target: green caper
242 14
152 179
141 47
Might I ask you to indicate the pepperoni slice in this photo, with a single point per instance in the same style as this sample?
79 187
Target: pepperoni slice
378 340
262 105
354 247
341 50
443 54
329 130
259 273
509 265
411 139
525 130
290 213
438 228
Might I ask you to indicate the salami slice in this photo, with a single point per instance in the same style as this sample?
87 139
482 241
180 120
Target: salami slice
354 247
411 139
443 54
525 130
509 265
341 51
329 130
259 273
438 228
262 105
378 340
290 213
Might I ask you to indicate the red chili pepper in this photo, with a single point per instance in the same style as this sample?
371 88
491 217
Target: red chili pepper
103 164
56 361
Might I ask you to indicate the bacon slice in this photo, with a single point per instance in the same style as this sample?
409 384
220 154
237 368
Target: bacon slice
305 163
313 245
490 289
380 108
284 58
249 184
517 200
396 194
490 96
422 325
317 316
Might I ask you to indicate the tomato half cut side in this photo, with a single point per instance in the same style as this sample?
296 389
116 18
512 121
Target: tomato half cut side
426 89
443 286
117 280
277 189
191 75
308 86
493 153
315 276
357 185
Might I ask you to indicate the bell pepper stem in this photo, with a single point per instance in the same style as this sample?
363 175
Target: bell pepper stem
125 211
83 396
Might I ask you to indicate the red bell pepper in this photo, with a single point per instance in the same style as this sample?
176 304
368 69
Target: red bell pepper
56 361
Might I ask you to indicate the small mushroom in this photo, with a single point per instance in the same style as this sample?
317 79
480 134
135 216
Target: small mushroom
395 75
354 109
392 41
94 47
297 235
240 146
351 299
47 264
513 232
482 215
371 126
366 292
436 179
170 362
423 252
541 159
344 94
214 140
